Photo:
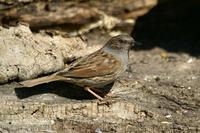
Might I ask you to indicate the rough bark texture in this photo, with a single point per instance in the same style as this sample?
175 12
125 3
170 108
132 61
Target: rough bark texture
75 16
159 93
25 55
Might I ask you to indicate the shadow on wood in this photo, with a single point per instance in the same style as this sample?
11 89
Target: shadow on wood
62 89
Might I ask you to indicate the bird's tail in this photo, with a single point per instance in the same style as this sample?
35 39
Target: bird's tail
42 80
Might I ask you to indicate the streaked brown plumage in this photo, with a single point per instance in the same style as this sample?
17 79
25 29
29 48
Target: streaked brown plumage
95 70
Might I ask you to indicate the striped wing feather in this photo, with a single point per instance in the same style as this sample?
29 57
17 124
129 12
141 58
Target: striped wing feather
96 64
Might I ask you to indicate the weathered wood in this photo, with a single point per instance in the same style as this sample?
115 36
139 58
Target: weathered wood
24 55
75 15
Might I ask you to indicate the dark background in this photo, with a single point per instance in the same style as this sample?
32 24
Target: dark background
172 25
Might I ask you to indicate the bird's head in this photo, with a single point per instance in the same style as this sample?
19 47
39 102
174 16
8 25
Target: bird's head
121 42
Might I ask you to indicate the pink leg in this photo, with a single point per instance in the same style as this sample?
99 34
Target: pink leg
93 93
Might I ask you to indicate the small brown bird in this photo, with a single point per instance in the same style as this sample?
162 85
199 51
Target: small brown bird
95 70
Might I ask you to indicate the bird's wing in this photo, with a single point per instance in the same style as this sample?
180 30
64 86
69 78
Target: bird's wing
95 64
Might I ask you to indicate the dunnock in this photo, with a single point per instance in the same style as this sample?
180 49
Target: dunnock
94 70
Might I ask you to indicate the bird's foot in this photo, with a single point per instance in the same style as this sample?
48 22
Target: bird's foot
107 100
